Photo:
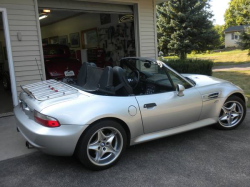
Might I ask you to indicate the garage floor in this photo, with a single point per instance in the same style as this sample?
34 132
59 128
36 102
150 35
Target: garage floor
204 157
5 101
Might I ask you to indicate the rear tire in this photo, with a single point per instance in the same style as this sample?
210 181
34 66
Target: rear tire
102 145
232 113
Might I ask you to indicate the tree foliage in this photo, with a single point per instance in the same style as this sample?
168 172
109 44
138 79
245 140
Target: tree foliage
238 13
245 40
184 26
220 31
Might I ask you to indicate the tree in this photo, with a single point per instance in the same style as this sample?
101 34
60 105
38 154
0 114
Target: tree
185 25
238 13
220 31
245 40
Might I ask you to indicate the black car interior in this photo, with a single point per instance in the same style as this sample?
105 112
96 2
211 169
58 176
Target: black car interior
122 81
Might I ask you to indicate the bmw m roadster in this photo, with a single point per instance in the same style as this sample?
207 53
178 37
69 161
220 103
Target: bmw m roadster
106 110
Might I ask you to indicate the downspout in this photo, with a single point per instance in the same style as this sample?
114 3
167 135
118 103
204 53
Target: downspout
40 40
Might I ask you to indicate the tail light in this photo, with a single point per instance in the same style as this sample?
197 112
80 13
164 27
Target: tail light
46 121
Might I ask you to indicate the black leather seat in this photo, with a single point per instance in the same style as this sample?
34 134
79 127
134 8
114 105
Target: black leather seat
82 75
106 81
93 77
121 83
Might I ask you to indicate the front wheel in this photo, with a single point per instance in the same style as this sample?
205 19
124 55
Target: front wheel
101 146
232 113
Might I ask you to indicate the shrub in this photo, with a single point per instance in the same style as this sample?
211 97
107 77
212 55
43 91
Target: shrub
193 66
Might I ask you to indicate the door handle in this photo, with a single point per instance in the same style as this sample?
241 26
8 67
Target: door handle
150 105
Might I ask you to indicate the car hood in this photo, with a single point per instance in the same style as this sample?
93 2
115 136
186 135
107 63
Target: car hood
204 80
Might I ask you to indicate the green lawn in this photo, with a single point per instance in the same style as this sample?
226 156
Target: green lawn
222 58
239 78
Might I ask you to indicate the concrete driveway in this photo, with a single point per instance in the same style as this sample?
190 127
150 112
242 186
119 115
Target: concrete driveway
204 157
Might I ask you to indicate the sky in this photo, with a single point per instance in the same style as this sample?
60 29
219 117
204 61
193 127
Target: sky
219 8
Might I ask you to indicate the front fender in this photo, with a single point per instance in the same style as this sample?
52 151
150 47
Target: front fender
211 108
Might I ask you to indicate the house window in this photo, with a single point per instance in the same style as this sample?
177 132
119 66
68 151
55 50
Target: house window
232 36
236 37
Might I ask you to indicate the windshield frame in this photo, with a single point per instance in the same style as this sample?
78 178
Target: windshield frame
156 62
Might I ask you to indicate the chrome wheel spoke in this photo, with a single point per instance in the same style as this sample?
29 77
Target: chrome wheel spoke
94 147
100 135
99 155
236 114
233 107
110 149
111 138
225 110
229 119
223 118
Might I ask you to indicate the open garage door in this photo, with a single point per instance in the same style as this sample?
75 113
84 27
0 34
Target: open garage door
75 32
86 6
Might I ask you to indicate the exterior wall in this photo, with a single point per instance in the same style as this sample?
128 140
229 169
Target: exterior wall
147 28
22 18
229 42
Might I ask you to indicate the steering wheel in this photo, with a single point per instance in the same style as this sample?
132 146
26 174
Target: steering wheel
134 78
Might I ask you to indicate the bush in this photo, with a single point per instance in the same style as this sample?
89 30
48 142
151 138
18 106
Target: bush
193 66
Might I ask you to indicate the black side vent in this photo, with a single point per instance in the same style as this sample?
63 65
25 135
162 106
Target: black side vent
213 95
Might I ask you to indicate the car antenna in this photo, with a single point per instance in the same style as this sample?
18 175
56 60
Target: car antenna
39 71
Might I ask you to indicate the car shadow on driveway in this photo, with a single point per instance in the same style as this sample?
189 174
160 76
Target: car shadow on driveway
204 157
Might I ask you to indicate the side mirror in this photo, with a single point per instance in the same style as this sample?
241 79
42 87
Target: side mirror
180 89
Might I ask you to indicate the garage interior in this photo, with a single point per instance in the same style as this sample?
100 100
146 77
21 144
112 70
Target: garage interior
99 37
6 104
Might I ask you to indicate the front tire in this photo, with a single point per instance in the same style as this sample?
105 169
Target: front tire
232 113
102 145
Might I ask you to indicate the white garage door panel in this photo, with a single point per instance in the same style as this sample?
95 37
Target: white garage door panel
85 6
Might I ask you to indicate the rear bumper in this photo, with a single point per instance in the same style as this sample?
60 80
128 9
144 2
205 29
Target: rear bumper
60 141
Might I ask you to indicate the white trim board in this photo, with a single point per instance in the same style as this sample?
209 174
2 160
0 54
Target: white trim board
9 54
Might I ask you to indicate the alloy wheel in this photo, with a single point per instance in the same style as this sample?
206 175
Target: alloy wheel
231 114
105 146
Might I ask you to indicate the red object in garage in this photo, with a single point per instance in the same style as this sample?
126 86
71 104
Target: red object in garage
58 63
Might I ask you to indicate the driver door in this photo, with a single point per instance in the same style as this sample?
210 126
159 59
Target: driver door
167 110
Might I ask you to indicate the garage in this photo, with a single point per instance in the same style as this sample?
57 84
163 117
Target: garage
5 92
98 33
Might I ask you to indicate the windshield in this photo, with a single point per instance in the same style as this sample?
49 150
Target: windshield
156 72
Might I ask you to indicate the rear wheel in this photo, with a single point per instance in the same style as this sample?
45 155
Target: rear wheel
101 146
232 113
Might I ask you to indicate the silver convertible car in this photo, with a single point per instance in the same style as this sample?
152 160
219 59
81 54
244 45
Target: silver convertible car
107 110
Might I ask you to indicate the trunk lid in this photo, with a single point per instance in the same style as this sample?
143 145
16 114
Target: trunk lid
38 96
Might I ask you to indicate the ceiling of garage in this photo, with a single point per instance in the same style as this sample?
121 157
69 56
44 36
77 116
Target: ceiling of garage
58 15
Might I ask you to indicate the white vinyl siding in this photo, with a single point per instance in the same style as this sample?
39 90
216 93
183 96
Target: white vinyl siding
147 29
22 18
